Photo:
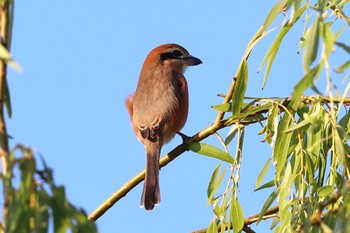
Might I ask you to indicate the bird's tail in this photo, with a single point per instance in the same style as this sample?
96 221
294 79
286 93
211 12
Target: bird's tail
151 192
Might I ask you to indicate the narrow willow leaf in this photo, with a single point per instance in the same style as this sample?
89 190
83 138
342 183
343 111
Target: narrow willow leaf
274 12
325 191
280 152
274 223
271 123
213 180
263 172
328 37
6 57
268 203
213 228
266 185
7 99
215 185
237 216
343 46
311 44
271 53
241 86
341 68
303 84
222 107
211 151
252 111
286 186
232 133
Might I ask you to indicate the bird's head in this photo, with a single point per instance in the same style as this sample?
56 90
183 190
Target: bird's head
172 56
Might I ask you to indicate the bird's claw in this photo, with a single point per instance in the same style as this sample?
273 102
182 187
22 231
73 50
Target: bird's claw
184 137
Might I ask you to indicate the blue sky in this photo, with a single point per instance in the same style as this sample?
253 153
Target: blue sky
81 59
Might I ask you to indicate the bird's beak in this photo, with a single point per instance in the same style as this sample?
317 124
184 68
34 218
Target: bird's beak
192 61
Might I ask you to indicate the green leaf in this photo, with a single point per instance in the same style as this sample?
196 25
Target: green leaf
222 107
266 185
268 203
6 57
341 68
214 187
274 12
281 150
263 172
213 228
311 44
286 186
241 86
237 216
7 99
343 46
303 84
325 191
272 52
328 37
213 180
211 151
232 133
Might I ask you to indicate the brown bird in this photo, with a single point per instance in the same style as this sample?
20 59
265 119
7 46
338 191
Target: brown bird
158 109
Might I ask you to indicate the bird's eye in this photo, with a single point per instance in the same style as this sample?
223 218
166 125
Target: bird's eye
177 53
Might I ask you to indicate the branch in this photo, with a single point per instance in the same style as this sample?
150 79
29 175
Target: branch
180 149
4 147
270 213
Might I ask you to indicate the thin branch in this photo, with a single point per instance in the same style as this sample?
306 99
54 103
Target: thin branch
270 213
180 149
4 147
257 37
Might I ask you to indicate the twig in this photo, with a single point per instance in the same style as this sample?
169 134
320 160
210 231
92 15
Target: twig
4 147
270 213
177 152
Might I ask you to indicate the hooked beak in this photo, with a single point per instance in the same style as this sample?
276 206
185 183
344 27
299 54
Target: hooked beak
192 61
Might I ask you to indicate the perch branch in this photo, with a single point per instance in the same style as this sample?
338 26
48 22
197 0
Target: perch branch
99 211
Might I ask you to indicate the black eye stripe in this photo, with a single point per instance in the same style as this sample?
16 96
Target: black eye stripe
175 54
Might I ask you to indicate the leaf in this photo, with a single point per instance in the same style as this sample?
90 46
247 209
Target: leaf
325 191
266 185
268 203
7 100
303 84
214 186
274 12
222 107
341 68
241 86
343 46
271 53
262 173
6 57
328 37
213 228
280 152
213 180
211 151
237 216
311 44
285 187
232 133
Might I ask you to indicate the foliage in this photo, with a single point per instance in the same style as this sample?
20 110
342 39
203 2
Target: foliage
308 135
32 202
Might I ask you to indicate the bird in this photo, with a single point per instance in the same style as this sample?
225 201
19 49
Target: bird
158 109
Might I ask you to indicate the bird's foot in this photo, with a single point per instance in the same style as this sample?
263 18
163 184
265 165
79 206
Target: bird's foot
184 137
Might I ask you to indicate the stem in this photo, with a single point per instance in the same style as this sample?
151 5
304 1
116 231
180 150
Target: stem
4 147
180 149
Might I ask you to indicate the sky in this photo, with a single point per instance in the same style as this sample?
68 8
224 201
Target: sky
80 61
